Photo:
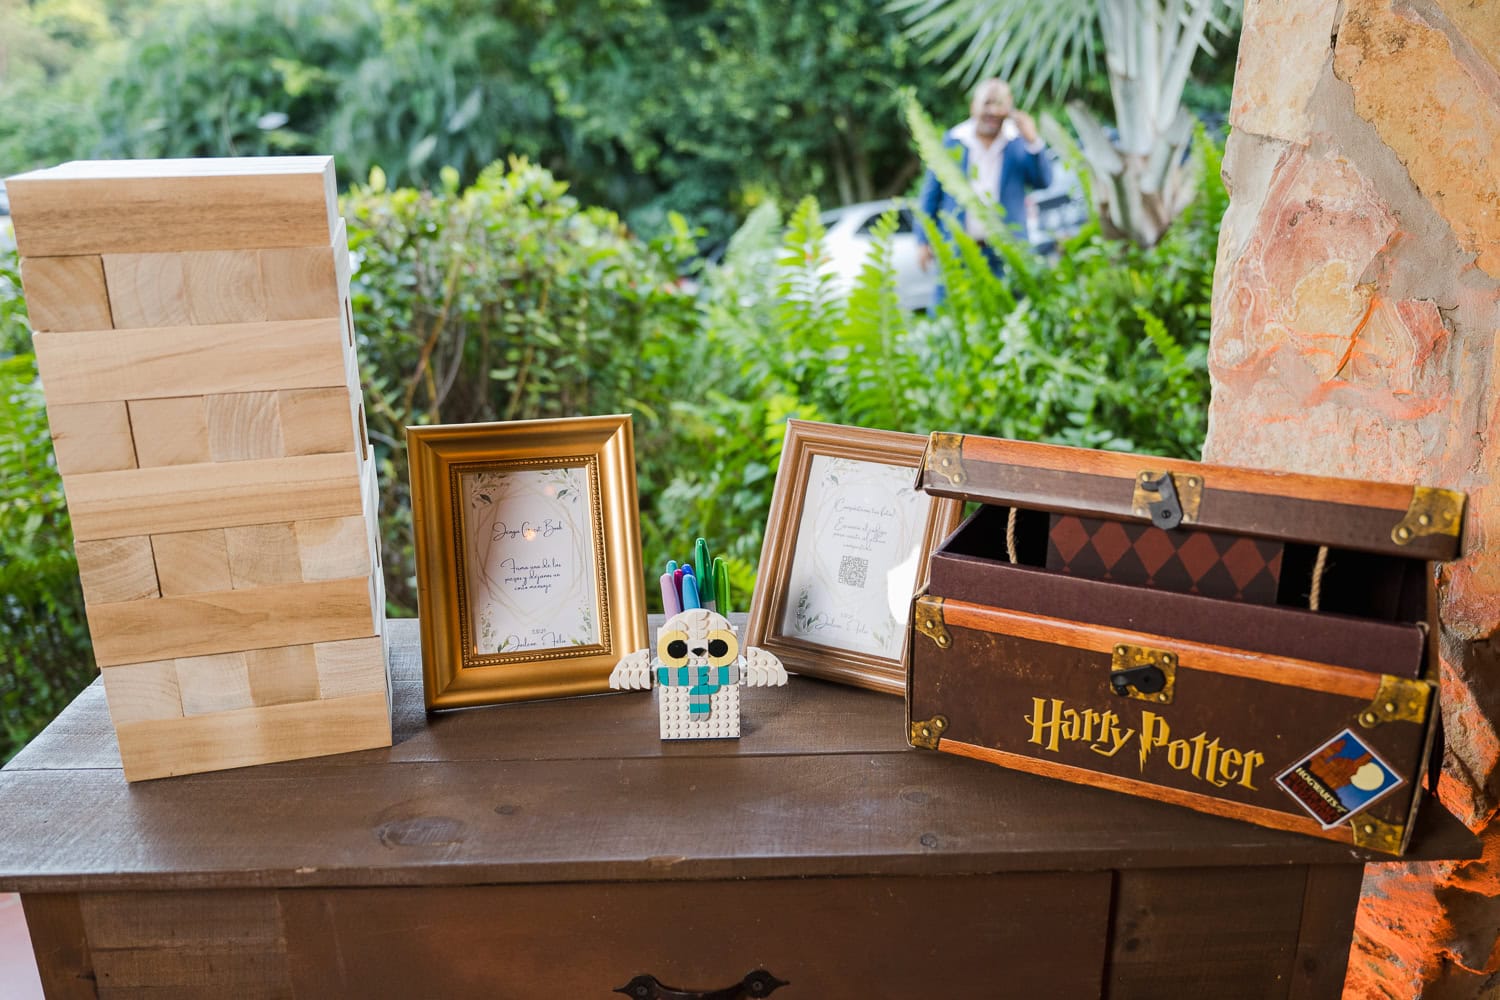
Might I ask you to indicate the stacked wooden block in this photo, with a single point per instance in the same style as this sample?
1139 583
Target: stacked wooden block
196 350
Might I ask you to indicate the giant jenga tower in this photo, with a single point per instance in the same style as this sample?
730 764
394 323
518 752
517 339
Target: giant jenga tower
196 350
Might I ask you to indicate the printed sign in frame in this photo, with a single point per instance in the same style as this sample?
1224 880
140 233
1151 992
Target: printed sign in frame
528 557
846 547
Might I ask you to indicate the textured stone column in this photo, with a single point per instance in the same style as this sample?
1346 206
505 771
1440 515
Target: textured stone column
1355 316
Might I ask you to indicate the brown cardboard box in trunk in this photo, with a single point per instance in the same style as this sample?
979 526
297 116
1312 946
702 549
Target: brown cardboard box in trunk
1315 712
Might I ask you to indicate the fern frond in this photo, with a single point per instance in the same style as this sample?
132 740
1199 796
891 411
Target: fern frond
808 304
873 330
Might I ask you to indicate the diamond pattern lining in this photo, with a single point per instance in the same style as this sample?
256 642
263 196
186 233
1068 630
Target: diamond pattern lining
1211 564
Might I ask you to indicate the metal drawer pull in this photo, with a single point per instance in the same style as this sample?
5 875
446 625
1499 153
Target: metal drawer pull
759 983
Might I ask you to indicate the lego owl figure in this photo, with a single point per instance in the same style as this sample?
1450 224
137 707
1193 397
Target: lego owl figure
698 666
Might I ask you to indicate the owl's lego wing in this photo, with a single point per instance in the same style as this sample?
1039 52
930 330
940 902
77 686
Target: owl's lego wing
762 669
633 672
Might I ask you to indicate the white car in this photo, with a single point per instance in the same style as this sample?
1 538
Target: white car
848 243
1052 214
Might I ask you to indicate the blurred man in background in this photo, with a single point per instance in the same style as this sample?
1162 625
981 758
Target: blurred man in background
1003 157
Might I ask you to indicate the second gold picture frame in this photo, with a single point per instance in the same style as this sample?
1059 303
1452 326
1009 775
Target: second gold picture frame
845 548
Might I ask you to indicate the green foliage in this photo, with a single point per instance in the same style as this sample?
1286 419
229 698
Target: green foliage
646 106
508 301
1105 349
44 651
232 79
709 109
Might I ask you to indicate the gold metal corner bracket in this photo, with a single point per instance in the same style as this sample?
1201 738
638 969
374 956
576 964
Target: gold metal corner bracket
1432 512
945 457
926 734
1375 834
929 621
1398 699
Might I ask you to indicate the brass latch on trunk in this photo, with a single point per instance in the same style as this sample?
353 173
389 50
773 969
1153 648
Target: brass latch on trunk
929 621
1144 673
1168 500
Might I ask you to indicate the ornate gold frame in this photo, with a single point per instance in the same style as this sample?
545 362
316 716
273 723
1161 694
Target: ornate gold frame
453 675
805 440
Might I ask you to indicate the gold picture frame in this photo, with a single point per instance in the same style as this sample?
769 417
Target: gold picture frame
846 520
528 549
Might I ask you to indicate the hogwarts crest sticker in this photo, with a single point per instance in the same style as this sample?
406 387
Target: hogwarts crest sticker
1337 780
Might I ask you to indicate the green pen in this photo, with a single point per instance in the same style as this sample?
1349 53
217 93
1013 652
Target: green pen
721 585
703 564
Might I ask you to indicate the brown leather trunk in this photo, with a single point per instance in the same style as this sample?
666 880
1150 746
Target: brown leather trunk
1310 707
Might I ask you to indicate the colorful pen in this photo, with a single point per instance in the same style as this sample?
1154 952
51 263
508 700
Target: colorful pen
721 585
671 603
690 592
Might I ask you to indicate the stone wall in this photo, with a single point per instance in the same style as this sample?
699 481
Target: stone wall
1356 313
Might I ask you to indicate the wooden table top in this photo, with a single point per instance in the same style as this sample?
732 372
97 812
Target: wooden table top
821 783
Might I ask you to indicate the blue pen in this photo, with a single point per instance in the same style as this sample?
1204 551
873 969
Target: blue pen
671 566
690 592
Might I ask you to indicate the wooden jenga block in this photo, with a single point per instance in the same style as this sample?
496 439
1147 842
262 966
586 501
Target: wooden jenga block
147 289
232 621
216 495
66 293
154 206
254 736
224 286
218 683
350 667
283 674
246 425
154 362
302 283
192 562
317 421
91 437
142 692
170 431
263 554
117 569
333 548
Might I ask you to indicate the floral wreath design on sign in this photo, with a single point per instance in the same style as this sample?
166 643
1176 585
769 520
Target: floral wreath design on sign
872 518
532 557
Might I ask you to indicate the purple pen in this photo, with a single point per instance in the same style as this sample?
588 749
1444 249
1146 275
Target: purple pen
671 601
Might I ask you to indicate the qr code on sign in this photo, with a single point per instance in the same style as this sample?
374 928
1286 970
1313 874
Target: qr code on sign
853 570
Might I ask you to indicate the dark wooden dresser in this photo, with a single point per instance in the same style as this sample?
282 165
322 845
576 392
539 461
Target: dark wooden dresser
560 849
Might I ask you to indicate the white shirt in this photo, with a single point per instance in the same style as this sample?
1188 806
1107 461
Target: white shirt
985 163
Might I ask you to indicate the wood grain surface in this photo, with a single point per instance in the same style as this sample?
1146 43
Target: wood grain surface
178 498
231 620
821 783
561 848
166 361
151 206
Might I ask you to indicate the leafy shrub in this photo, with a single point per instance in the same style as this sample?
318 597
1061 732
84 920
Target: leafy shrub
1105 349
508 301
44 653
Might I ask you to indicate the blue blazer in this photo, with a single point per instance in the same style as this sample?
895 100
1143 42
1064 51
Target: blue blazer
1020 170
